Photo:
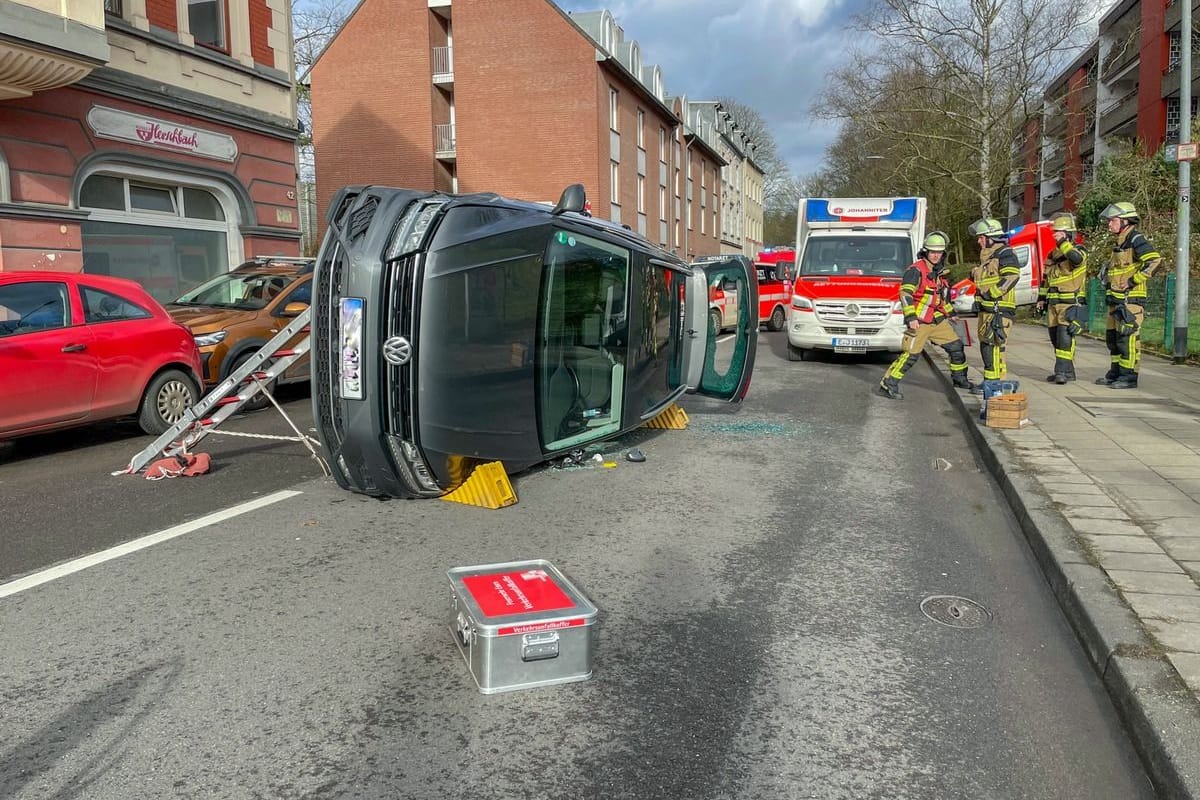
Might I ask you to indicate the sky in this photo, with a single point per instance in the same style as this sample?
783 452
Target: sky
771 55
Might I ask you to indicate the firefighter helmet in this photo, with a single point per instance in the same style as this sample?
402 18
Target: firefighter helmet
1064 223
988 227
936 242
1121 210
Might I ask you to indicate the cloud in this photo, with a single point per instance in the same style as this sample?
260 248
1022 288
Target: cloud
772 55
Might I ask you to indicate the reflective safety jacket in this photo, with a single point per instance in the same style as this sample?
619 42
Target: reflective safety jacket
924 295
1134 261
1066 275
998 276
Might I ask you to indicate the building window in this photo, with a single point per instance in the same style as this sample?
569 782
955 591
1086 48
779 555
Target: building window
662 203
641 193
702 216
112 7
612 109
689 216
168 238
614 171
641 129
662 145
206 21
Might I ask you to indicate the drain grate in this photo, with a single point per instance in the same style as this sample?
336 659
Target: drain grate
957 612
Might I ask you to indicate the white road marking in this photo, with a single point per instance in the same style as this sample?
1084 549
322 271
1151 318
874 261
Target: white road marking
83 562
726 339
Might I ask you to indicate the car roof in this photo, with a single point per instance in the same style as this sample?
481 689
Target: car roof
277 265
100 281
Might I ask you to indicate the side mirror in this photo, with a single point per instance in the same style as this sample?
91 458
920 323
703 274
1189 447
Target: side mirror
293 309
573 198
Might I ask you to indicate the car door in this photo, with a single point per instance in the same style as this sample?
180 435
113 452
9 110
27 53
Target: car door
1026 289
126 344
47 370
714 365
301 292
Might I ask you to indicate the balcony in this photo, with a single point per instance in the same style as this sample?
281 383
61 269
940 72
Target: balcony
1052 167
1055 121
444 148
1117 117
49 44
1174 15
1171 80
1053 203
1121 59
443 66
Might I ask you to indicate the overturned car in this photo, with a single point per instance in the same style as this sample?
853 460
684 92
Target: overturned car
453 330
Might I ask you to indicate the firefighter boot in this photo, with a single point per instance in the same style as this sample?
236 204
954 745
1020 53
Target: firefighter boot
889 387
1127 380
961 381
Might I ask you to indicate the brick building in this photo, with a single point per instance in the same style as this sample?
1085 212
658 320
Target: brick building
1122 88
521 102
149 139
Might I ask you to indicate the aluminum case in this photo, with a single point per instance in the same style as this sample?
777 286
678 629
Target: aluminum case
520 624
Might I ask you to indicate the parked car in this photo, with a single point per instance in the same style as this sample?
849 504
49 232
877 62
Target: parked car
78 348
233 315
450 330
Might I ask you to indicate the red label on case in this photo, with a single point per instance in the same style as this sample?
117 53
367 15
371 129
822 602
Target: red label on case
534 627
529 591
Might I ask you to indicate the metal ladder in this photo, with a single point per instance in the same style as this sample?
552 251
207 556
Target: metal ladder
228 399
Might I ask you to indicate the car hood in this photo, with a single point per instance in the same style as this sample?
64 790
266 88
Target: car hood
205 319
858 288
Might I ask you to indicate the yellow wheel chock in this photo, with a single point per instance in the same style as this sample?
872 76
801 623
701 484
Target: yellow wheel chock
673 418
488 487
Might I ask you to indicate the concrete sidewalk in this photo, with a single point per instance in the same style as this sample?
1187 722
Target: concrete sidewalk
1106 485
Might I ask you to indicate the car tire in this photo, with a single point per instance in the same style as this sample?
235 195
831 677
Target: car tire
167 398
714 318
778 319
259 401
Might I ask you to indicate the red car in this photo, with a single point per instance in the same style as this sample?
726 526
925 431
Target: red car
78 348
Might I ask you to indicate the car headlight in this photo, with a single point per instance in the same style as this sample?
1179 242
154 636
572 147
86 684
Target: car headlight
801 302
207 339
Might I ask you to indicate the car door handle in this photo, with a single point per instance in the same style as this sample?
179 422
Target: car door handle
74 348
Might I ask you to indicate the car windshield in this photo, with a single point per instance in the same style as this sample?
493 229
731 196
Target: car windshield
250 291
875 256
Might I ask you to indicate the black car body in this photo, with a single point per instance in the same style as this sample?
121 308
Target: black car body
452 330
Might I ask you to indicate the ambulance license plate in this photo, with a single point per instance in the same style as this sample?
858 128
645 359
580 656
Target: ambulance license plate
842 344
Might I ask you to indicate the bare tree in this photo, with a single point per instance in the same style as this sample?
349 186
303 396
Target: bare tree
779 183
314 24
948 83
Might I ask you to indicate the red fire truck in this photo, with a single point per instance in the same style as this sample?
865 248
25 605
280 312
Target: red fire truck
775 267
1031 243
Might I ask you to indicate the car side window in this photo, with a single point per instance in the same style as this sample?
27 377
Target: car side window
102 306
33 306
301 294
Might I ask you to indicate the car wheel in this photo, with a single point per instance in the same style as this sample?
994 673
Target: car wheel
259 401
167 399
778 319
714 320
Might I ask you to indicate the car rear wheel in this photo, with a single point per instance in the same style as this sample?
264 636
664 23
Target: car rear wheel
714 320
167 399
778 319
259 401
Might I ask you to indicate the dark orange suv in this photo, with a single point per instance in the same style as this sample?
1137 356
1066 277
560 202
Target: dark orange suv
233 315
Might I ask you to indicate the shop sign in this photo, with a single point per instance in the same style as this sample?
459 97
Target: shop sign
123 126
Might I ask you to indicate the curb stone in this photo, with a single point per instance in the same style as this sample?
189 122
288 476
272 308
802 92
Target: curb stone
1156 707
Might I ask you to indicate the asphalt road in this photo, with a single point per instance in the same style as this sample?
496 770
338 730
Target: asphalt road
59 499
759 580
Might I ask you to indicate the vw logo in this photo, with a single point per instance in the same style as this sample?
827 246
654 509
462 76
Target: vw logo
852 309
397 351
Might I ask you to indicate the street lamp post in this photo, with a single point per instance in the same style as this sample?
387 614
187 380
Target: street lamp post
1182 240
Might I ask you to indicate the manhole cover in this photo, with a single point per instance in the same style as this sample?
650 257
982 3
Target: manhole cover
1141 407
957 612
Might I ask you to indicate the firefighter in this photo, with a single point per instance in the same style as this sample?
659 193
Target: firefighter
995 281
1133 263
924 297
1063 296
